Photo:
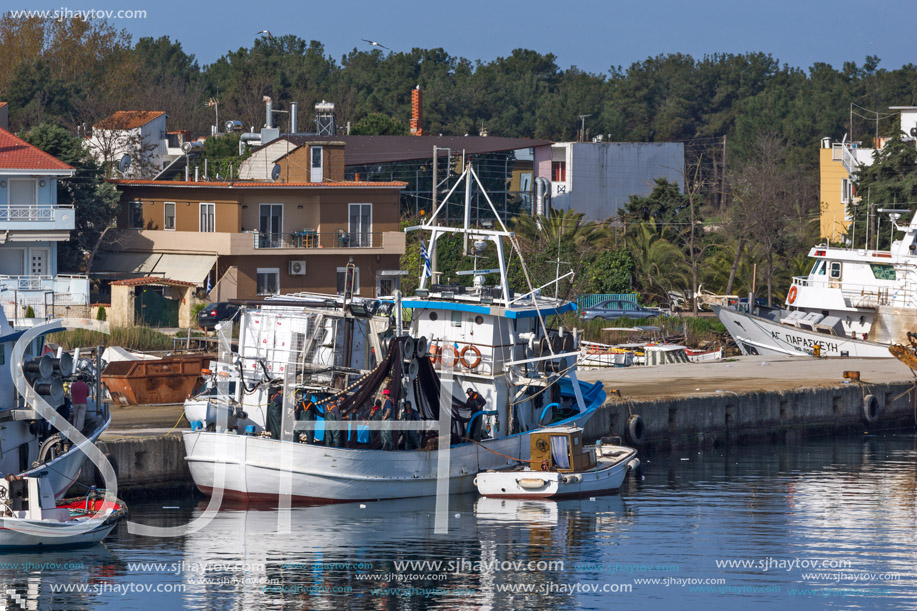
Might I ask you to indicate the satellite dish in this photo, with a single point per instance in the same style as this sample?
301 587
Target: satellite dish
124 164
914 132
275 172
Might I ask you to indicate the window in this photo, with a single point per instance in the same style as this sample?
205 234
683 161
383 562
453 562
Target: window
208 218
846 190
342 271
819 268
882 272
23 192
315 154
268 281
456 319
169 216
135 215
559 171
834 270
387 285
360 225
270 225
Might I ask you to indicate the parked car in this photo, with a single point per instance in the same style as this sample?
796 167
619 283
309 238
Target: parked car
216 312
619 308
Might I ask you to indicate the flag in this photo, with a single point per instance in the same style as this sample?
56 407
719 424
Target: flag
209 286
425 257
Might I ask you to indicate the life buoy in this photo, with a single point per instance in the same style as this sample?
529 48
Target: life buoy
477 356
454 359
434 354
791 297
870 409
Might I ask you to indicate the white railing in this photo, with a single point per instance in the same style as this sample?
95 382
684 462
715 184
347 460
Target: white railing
863 295
29 213
67 289
843 152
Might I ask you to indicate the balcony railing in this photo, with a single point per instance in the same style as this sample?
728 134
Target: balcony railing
311 239
66 289
29 213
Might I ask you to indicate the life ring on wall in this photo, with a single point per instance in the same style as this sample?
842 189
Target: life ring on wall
791 297
434 354
477 356
454 358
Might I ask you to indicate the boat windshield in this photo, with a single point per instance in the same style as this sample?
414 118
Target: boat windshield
209 389
818 269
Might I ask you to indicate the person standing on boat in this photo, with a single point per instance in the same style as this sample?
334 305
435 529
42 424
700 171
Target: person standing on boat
275 412
79 395
306 411
332 414
388 414
376 415
411 438
475 403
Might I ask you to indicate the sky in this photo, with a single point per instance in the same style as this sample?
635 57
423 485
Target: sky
592 35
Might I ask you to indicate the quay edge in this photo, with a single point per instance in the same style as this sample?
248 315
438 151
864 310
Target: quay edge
758 416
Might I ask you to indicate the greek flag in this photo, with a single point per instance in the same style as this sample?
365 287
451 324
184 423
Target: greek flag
425 257
209 286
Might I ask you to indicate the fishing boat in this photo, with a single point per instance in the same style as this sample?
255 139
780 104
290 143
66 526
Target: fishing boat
853 303
31 518
560 466
30 369
483 341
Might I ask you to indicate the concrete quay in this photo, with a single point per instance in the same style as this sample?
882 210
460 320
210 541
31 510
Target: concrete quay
753 398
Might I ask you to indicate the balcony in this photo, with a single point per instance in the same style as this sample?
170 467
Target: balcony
307 239
48 296
37 218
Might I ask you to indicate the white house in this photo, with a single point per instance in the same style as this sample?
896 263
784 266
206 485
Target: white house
138 134
32 222
598 178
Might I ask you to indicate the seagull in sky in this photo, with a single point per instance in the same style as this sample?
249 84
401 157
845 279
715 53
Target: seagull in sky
376 44
267 33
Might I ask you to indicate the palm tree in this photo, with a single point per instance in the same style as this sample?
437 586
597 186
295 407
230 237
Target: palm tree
660 264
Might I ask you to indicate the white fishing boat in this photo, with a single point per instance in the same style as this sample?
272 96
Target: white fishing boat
30 445
853 303
31 518
560 466
483 339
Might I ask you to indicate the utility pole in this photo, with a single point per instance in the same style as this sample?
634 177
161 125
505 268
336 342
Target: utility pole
723 177
582 132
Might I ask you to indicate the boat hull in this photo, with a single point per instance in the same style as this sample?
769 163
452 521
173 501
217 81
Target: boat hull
64 470
527 484
20 537
262 470
756 335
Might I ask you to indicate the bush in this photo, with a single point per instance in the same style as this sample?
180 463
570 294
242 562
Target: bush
101 315
132 338
29 312
195 310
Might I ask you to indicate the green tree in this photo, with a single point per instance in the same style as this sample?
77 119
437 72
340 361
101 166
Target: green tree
378 124
94 201
659 265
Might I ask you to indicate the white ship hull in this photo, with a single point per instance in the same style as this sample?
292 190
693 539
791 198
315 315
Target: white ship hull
259 469
757 335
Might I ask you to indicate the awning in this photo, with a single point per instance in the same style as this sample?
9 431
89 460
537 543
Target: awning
189 268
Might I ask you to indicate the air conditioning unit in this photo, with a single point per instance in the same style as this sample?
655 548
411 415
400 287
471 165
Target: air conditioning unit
297 268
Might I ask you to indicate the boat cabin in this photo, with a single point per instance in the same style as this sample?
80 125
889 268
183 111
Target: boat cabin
28 498
561 449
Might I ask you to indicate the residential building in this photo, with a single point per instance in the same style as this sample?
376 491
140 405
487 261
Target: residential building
32 222
249 240
838 164
135 143
598 178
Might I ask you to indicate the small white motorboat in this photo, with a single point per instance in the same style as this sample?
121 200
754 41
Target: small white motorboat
561 467
31 518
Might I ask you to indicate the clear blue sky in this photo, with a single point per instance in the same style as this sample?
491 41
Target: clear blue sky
590 34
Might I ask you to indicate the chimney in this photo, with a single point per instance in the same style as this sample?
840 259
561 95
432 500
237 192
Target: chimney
416 112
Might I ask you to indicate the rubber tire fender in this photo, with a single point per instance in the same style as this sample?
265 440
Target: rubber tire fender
636 430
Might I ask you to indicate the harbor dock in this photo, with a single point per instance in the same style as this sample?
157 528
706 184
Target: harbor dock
737 400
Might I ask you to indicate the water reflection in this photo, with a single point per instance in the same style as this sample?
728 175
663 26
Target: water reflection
680 522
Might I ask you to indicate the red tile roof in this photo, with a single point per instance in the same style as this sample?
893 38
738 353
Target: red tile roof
2 104
154 281
129 119
17 154
254 184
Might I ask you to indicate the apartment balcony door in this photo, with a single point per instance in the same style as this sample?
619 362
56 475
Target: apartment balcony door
270 226
361 225
38 261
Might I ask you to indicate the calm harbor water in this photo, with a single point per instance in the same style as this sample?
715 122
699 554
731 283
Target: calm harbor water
821 524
